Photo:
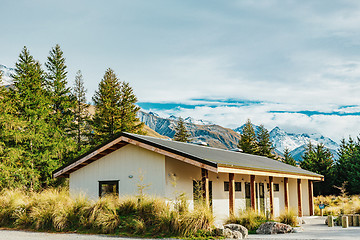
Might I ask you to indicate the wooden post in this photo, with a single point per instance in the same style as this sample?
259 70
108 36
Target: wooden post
299 197
205 185
231 194
271 189
311 197
286 193
252 191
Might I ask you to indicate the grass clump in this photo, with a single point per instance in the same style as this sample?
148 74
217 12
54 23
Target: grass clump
288 217
249 219
55 210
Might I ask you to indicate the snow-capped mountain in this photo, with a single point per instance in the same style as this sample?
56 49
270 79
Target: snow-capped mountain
295 142
189 120
282 140
6 78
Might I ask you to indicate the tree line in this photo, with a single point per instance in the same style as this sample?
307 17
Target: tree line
44 123
316 158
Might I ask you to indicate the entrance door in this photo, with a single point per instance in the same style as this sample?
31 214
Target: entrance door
247 195
260 196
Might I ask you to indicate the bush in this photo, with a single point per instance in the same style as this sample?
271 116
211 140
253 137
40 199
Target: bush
249 219
55 210
289 218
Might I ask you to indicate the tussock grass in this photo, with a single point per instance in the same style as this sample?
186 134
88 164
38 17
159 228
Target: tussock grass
338 205
289 218
249 219
55 210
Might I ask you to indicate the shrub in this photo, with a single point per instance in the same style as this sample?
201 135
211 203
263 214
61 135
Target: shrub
55 210
289 218
249 219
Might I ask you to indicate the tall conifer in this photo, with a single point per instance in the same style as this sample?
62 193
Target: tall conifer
264 145
247 142
288 159
181 133
80 126
60 94
107 118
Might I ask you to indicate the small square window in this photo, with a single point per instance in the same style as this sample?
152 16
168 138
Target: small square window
108 187
237 186
276 187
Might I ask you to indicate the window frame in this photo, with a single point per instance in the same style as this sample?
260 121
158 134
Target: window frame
237 184
110 182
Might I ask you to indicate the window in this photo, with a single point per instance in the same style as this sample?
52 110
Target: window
237 186
276 187
108 187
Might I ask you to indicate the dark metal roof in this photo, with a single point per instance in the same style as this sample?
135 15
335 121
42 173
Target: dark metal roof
226 157
207 155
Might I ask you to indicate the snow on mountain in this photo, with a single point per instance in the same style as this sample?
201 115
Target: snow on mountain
6 78
292 141
295 142
189 120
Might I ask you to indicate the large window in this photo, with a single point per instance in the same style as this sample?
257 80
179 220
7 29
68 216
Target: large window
108 187
237 186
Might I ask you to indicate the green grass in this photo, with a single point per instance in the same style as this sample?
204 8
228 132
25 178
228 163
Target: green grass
145 216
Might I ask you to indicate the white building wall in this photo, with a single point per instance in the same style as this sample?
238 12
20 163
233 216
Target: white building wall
169 177
128 161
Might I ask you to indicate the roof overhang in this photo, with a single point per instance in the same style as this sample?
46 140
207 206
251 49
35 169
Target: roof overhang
261 172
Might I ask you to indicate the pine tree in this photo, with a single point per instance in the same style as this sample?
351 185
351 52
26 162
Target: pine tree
128 110
347 167
319 159
288 159
32 147
107 120
60 94
80 126
264 145
181 133
115 108
247 142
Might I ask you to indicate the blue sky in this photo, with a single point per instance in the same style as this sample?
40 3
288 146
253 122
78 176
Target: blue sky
293 64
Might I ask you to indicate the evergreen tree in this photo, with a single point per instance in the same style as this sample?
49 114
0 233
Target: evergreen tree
60 94
181 133
106 121
247 142
347 168
128 110
115 108
288 159
32 147
319 159
80 125
264 145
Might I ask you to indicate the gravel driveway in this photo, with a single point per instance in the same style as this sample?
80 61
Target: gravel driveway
313 229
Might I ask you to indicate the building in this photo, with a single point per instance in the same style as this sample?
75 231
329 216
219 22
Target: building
230 181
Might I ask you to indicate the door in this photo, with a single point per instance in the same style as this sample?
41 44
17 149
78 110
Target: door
197 191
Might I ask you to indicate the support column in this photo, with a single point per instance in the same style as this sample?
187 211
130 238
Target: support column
299 197
205 185
286 193
311 197
271 190
252 192
231 193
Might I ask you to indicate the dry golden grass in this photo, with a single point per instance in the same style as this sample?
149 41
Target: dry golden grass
55 210
338 205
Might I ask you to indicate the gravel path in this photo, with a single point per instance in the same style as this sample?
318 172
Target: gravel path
26 235
313 229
